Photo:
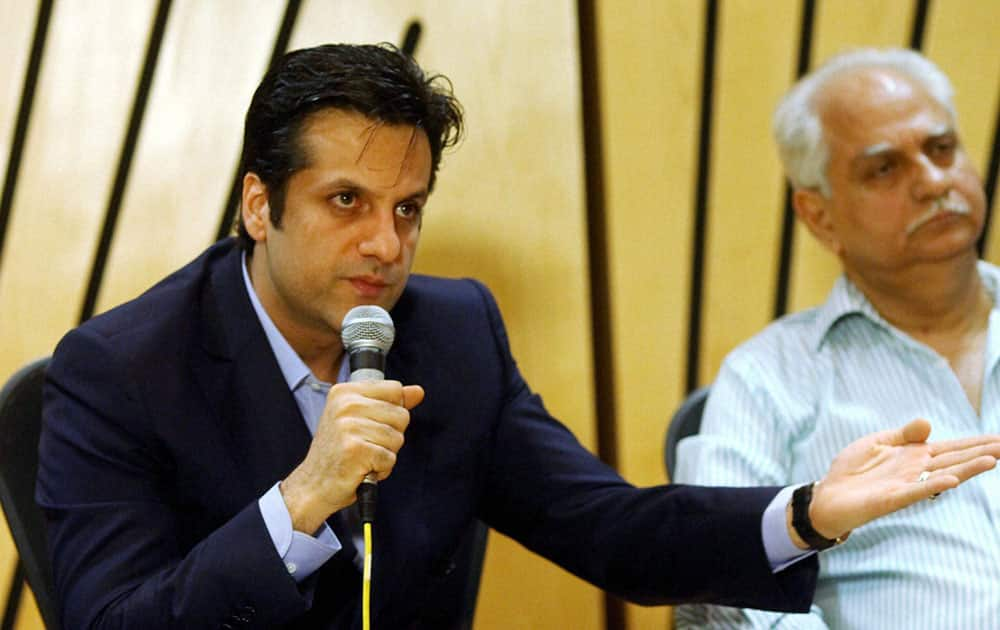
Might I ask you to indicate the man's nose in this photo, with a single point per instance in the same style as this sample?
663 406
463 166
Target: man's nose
933 180
380 238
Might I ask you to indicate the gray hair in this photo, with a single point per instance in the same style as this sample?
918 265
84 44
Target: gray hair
798 130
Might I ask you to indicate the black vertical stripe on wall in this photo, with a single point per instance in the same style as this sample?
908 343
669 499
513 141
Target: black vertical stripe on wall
921 9
597 232
698 236
806 28
991 181
125 158
23 116
280 46
597 259
411 38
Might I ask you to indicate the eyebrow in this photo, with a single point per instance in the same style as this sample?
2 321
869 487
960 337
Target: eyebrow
886 147
876 149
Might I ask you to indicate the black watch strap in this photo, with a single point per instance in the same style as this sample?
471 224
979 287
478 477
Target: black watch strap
801 499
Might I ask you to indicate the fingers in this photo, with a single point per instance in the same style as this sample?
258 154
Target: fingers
961 471
940 480
363 425
914 431
953 457
381 461
413 395
385 402
360 432
380 434
990 441
918 491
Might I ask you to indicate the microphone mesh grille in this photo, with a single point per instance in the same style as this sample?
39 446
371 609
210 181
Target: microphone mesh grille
367 326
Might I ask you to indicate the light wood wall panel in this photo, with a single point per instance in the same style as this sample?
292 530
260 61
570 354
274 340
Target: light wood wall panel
509 210
18 19
962 40
649 59
19 23
82 95
841 25
756 61
212 57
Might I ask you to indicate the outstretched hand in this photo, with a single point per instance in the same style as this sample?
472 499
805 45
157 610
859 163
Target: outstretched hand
881 473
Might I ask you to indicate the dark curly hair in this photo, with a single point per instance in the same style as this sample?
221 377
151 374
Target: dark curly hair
377 81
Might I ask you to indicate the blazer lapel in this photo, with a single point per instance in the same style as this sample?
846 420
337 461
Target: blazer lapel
242 381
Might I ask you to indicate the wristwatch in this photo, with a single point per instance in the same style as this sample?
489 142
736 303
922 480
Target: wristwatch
801 499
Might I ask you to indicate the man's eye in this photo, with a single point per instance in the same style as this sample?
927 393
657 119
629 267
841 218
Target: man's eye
345 199
408 210
883 168
943 148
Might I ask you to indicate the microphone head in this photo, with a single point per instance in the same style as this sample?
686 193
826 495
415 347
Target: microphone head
367 326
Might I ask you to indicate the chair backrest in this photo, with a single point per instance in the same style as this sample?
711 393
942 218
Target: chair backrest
20 427
686 421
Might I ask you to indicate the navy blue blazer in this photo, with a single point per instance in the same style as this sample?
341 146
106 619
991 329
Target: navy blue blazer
167 418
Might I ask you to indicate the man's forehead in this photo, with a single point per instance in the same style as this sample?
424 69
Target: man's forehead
854 85
861 105
379 149
382 145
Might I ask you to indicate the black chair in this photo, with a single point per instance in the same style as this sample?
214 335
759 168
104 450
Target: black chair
20 427
686 421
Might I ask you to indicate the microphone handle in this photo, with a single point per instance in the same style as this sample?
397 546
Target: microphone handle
367 491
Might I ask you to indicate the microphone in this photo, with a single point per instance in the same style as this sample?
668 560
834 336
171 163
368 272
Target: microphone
367 334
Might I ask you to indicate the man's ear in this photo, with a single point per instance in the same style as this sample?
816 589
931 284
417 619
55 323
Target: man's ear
813 209
254 207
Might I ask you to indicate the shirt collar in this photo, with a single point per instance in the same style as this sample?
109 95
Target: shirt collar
846 299
292 367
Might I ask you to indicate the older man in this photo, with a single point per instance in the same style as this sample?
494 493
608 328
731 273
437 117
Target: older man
910 330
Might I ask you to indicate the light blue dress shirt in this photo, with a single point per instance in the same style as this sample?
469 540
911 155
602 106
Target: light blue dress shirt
787 401
301 553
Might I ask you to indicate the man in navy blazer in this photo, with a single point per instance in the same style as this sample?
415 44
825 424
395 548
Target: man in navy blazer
201 450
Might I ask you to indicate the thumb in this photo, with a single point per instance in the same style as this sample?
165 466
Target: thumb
915 431
413 395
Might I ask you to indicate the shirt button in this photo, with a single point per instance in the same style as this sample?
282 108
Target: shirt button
292 567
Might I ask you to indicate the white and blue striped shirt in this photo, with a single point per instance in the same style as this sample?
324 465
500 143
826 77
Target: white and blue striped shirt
788 400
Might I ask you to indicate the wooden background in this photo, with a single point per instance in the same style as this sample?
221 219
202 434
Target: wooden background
618 188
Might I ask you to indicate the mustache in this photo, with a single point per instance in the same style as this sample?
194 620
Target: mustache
949 203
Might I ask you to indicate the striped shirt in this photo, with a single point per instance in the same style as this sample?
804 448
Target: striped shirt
788 400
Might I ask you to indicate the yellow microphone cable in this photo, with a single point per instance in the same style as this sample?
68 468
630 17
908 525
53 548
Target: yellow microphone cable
366 581
367 496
